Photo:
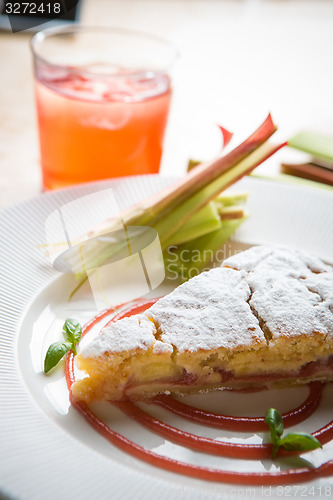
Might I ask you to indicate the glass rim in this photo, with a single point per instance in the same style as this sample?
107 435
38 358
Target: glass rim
41 36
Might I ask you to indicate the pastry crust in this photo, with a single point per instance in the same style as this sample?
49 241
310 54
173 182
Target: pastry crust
264 318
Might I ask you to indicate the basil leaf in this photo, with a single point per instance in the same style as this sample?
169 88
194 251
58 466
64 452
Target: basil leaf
274 420
275 423
73 332
55 352
299 441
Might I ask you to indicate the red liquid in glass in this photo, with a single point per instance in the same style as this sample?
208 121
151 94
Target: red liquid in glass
98 128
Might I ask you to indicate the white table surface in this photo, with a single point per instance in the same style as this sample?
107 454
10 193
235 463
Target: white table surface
239 60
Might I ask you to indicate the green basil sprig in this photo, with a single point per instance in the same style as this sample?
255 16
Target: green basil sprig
55 352
72 331
294 441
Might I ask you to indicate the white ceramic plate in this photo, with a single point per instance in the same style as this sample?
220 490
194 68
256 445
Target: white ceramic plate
47 449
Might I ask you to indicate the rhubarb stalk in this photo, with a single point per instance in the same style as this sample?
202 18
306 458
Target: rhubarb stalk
171 209
152 210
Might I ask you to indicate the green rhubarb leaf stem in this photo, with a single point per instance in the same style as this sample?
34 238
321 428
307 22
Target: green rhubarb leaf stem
152 209
203 221
168 225
225 199
190 258
203 175
314 143
229 213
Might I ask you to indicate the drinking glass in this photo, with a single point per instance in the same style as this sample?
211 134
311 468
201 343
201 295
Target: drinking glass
103 98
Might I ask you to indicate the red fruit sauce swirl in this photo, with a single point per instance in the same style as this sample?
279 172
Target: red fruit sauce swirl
202 444
250 424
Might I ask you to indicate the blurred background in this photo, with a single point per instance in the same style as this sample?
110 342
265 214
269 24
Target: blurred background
239 59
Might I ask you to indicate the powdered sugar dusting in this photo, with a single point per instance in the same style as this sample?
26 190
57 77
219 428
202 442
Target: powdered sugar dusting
209 311
127 334
162 348
287 293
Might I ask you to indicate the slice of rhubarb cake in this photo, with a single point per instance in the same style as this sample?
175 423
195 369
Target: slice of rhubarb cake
265 318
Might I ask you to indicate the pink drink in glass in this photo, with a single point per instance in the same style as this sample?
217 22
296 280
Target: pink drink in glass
103 98
97 128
